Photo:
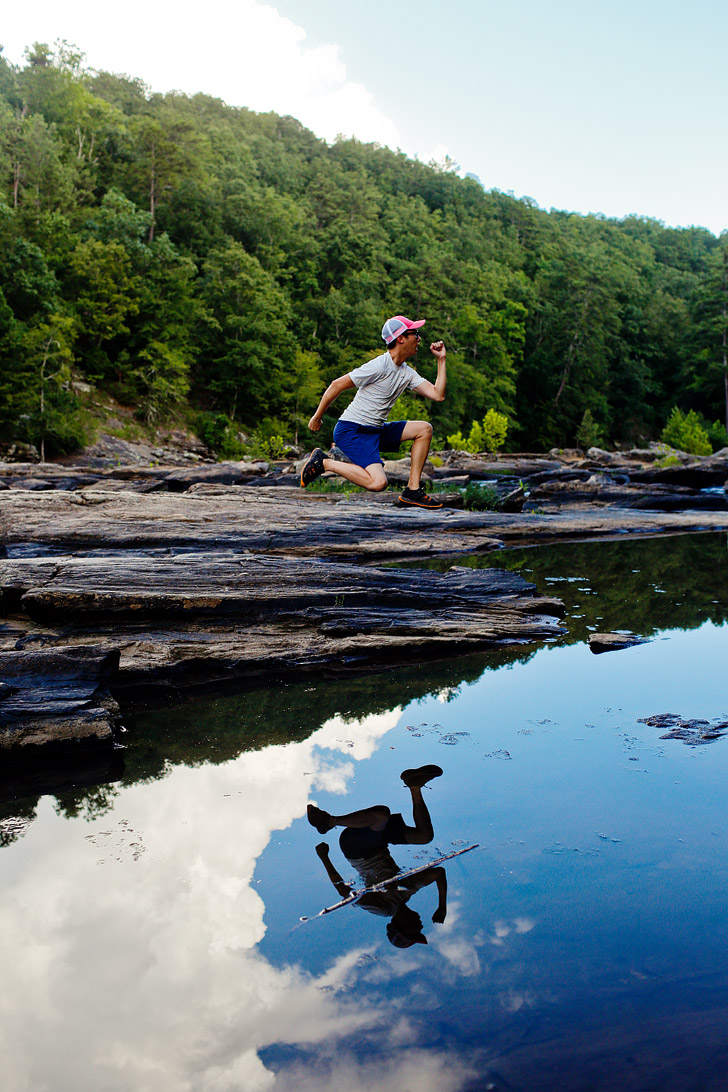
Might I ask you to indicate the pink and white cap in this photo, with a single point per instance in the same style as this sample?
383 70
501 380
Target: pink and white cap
393 327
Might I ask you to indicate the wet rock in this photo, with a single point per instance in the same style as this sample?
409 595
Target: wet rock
695 475
561 475
56 695
675 502
694 733
30 483
513 501
130 485
611 642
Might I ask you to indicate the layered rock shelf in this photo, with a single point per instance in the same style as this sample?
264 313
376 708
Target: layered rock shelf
114 577
224 614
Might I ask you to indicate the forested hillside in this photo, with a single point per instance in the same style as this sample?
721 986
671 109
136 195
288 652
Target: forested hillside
218 266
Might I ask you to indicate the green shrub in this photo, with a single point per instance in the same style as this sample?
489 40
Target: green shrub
220 434
717 435
270 447
588 434
333 485
486 435
685 432
480 498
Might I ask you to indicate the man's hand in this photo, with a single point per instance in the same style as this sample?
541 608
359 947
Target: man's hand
439 916
322 849
438 350
315 423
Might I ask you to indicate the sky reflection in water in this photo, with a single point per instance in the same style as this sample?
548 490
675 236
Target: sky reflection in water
157 944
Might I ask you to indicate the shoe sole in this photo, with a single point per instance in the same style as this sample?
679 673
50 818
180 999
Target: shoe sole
419 504
303 483
426 772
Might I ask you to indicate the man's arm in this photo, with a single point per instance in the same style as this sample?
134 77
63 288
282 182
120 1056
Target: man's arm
332 392
438 876
436 390
322 851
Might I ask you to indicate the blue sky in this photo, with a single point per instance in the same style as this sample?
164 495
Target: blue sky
612 107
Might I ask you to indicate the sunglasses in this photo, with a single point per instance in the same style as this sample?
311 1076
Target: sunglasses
414 333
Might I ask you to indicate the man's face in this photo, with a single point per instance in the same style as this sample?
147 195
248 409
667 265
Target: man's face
412 341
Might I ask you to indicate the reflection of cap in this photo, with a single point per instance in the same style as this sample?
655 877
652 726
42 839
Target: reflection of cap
401 940
393 327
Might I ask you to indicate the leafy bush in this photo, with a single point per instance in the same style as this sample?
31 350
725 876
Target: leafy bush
333 485
685 432
481 498
486 435
717 435
271 447
220 434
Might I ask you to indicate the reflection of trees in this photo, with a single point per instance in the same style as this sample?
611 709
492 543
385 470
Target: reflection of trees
216 729
643 585
15 818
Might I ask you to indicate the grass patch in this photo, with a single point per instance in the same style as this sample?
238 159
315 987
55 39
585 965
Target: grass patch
334 485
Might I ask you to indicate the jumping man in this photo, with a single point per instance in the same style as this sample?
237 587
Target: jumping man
363 431
365 842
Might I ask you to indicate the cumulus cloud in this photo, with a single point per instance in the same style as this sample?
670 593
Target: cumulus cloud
129 943
244 52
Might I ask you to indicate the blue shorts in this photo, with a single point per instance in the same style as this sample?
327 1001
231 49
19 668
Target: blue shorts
363 842
362 443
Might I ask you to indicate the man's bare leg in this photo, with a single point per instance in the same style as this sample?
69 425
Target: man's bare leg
371 477
420 433
422 832
374 818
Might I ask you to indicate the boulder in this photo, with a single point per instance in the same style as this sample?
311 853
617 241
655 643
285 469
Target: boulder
611 642
59 694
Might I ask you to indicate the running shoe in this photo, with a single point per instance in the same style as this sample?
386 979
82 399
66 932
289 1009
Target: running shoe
319 819
419 498
421 775
314 468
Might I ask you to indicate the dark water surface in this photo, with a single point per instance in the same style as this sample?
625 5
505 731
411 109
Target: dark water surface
150 930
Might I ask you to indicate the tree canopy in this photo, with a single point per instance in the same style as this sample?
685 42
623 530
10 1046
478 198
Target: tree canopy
189 257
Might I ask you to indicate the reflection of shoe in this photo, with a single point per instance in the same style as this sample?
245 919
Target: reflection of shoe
314 468
419 777
319 819
419 498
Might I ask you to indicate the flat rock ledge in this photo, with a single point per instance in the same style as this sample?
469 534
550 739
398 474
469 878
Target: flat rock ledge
292 522
217 616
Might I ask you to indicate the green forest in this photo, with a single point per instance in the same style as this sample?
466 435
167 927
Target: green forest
212 267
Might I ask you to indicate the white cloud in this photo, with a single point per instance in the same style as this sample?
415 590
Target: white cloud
244 52
129 943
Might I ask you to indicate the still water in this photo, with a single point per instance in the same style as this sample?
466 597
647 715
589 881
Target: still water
151 930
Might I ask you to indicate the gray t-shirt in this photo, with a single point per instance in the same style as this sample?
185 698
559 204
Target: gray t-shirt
380 383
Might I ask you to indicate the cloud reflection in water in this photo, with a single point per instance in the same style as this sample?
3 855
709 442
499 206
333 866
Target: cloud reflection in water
128 970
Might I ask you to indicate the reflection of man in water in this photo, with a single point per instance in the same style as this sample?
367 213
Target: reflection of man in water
364 841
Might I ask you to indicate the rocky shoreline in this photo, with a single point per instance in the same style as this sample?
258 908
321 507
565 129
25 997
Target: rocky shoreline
125 576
